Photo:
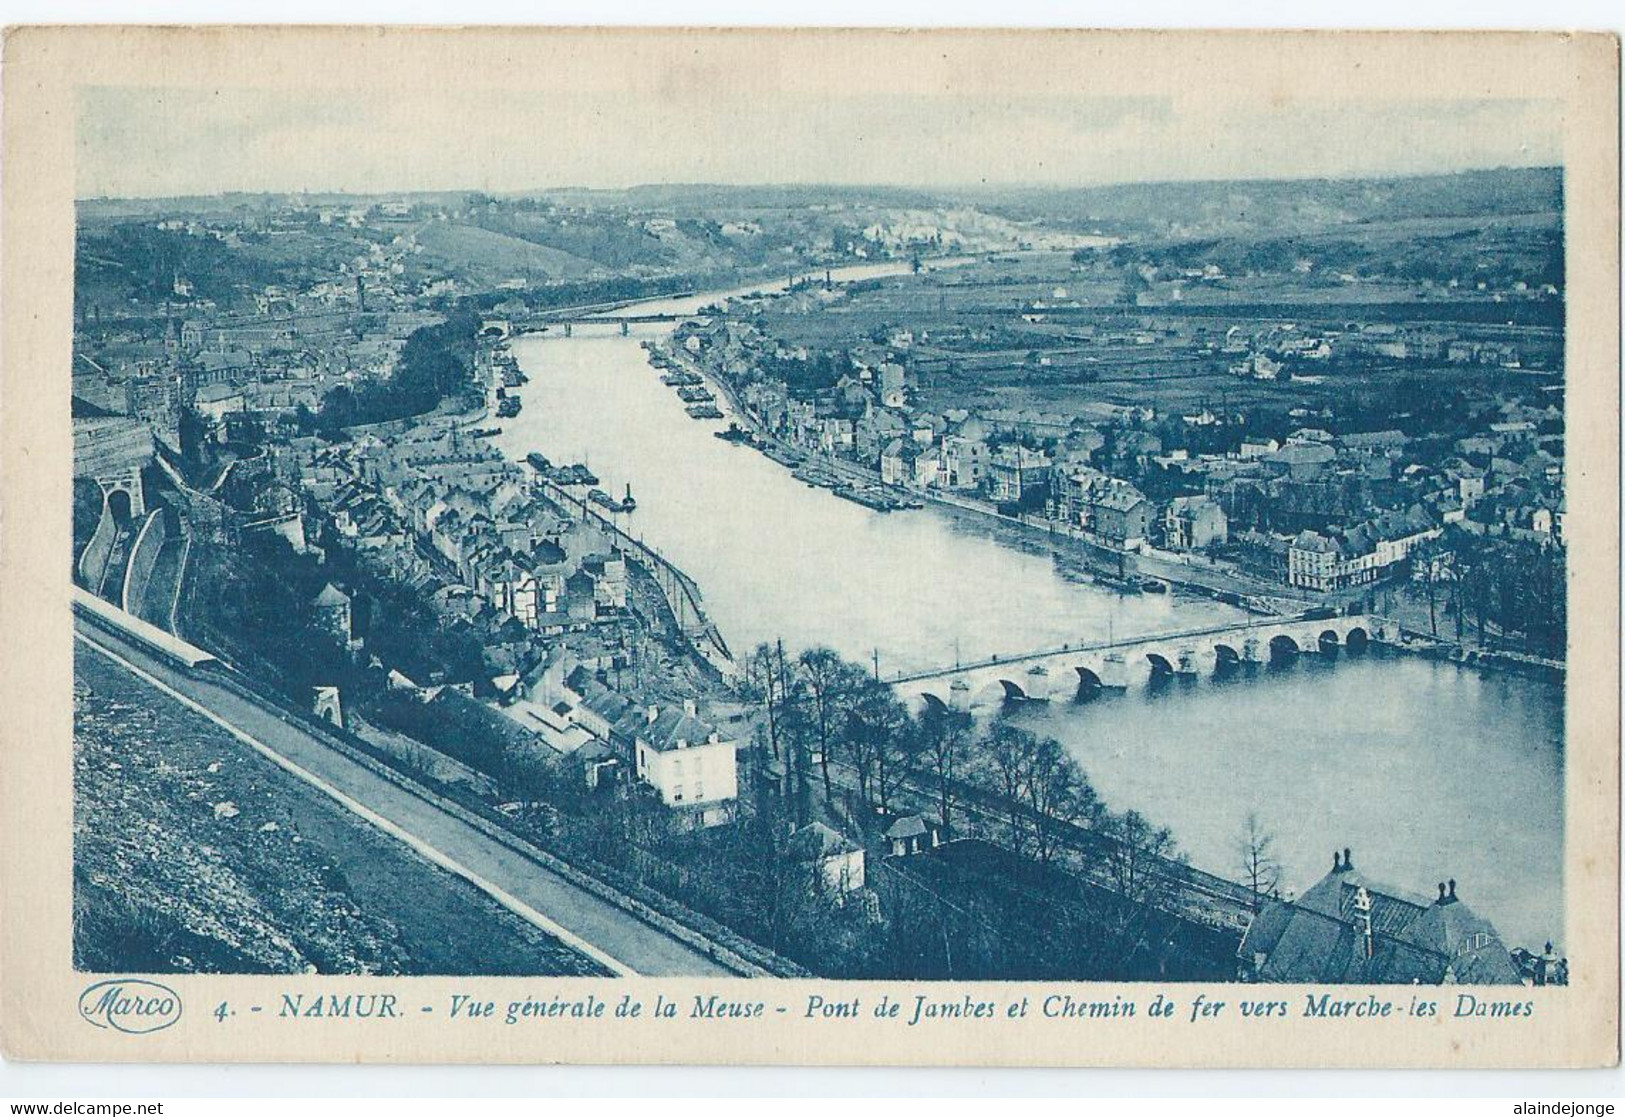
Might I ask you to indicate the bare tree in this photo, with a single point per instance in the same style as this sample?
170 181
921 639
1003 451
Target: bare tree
827 678
1259 867
946 740
1007 755
1139 857
766 681
1059 794
877 731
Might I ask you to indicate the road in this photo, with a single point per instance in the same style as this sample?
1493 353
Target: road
610 935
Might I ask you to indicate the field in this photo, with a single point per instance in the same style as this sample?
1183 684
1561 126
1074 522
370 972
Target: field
1158 323
495 256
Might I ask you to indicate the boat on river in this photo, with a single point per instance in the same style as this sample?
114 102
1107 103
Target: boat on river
704 411
610 504
870 497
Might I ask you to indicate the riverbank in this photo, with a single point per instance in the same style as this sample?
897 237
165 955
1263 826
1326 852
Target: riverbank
1121 569
1114 570
778 559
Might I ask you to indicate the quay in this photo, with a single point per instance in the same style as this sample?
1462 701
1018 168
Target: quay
681 592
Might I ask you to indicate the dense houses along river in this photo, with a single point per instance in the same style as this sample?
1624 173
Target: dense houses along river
1427 770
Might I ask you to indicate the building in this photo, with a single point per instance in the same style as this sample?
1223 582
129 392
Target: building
688 762
893 389
896 464
609 580
598 708
836 862
1117 512
964 462
1362 555
1194 523
1014 471
911 834
1312 562
328 706
113 451
334 612
1302 461
1351 929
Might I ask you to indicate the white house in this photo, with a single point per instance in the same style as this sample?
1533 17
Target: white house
837 862
688 762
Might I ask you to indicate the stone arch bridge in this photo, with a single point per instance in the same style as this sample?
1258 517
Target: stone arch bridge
1062 673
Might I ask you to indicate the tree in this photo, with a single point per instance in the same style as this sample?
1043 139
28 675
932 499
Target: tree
823 674
1059 795
766 680
945 735
1256 853
798 733
1007 756
1138 859
876 731
1138 856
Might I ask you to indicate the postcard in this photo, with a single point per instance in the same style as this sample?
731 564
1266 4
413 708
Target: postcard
910 547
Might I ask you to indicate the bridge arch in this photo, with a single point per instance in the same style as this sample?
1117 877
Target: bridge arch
1088 681
1225 656
997 691
1328 640
1283 648
1012 691
1357 639
1159 664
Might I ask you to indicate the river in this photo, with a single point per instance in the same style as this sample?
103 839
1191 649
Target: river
1428 771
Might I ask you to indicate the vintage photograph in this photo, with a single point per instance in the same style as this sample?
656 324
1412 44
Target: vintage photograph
860 563
772 547
1076 538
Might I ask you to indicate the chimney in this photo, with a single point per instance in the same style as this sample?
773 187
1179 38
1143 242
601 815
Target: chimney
690 709
1337 862
1348 859
1452 890
651 713
1441 892
1363 905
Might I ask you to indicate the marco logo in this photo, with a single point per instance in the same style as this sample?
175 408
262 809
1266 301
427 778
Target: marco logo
130 1005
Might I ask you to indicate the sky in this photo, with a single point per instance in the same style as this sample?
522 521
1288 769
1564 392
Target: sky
152 142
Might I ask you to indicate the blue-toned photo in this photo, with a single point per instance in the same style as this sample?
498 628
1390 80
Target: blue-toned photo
598 537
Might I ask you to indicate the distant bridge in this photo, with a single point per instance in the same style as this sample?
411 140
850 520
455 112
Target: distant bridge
570 321
623 313
1061 673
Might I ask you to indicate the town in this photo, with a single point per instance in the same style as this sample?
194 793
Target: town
297 454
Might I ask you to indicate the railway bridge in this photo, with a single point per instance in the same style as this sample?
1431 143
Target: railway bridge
1062 673
567 324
